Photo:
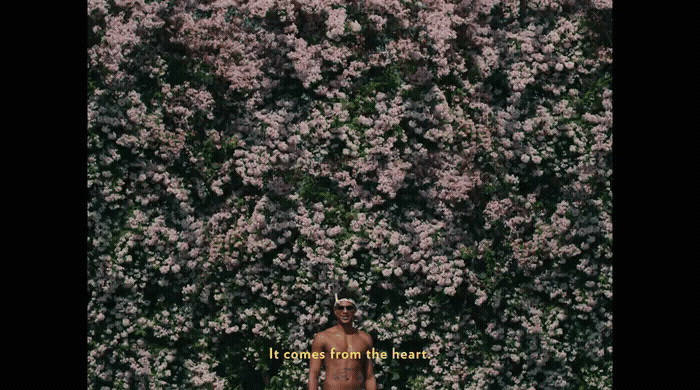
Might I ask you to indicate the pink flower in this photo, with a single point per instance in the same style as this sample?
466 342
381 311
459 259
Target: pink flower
335 24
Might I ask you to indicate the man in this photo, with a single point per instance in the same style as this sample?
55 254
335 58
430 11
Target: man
343 350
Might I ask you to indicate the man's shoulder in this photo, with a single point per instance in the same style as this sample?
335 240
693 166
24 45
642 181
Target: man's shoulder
365 336
322 335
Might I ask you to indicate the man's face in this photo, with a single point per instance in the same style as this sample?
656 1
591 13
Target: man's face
344 311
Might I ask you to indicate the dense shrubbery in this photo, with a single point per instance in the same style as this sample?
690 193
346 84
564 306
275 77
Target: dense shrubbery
451 160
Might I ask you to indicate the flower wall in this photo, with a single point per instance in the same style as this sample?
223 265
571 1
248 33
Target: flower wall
450 160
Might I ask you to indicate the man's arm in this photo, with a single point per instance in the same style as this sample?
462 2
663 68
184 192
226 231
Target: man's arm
315 364
370 380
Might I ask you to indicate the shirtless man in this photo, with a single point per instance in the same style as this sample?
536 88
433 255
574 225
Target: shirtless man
344 353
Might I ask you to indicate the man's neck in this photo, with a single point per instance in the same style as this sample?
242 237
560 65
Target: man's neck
347 329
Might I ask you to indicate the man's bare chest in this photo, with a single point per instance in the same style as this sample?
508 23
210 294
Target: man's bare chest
346 343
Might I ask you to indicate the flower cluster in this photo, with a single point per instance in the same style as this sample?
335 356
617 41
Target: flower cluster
451 160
